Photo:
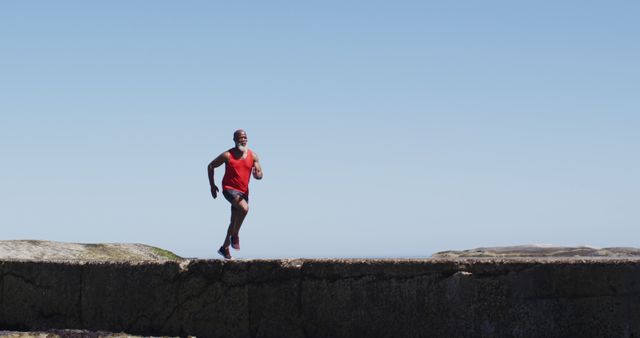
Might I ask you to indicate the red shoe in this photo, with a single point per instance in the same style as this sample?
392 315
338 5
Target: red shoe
235 242
224 252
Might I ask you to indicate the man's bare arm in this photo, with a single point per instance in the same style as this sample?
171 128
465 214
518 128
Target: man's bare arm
218 161
257 168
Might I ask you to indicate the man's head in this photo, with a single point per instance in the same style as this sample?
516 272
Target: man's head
240 139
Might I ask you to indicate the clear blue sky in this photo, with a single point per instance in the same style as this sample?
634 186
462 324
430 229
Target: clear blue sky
385 128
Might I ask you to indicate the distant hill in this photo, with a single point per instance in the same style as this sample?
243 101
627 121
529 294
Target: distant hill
48 250
535 250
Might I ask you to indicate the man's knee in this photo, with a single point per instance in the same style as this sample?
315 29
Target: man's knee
242 208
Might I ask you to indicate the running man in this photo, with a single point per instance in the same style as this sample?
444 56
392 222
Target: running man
241 163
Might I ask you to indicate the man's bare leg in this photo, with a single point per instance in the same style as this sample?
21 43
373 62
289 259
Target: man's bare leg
239 211
230 229
242 209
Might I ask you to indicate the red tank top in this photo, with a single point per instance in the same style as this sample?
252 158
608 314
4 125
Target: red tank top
237 173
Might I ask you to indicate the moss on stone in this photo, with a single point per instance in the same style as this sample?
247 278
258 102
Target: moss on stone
165 253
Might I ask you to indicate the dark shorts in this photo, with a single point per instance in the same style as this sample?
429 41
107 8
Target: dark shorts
231 195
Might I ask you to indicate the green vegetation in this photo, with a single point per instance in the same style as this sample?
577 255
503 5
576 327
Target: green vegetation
165 253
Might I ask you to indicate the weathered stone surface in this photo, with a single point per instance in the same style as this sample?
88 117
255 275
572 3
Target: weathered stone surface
274 298
2 315
366 298
130 297
464 297
536 250
214 299
59 251
66 334
41 295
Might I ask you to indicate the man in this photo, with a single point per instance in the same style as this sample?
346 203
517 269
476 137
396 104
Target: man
240 164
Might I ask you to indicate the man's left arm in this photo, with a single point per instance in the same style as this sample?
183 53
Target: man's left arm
257 169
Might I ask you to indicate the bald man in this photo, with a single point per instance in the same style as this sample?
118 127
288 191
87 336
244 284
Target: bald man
240 164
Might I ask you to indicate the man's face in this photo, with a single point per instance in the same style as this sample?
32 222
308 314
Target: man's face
241 139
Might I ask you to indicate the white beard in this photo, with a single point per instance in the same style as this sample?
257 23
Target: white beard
241 148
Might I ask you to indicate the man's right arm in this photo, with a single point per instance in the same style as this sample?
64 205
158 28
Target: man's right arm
218 161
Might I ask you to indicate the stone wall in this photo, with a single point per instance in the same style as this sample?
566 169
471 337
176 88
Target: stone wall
328 298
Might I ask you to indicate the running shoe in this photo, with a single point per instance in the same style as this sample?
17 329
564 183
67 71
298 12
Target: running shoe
224 252
235 242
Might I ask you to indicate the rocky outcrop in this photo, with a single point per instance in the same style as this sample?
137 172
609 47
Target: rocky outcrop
66 334
59 251
461 297
537 250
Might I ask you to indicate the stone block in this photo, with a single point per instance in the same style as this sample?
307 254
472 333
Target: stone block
138 298
274 299
213 299
39 295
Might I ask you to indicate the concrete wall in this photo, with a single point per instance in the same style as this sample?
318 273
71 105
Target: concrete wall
328 298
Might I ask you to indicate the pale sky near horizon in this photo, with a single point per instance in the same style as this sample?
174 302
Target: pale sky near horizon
385 129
